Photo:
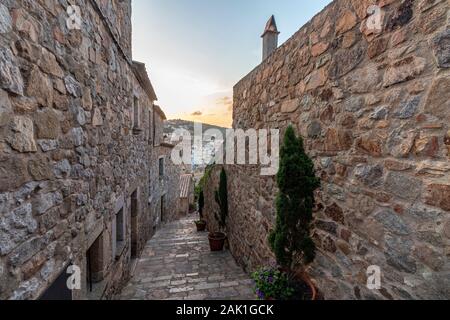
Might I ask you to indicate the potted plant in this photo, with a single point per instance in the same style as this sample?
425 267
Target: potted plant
273 284
217 239
201 224
291 240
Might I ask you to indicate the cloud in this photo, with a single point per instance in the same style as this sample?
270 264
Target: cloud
226 102
215 109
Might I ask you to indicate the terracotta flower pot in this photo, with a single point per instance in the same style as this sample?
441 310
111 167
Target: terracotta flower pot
201 226
303 277
216 241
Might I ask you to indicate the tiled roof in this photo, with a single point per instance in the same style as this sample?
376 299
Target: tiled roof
160 112
185 185
142 76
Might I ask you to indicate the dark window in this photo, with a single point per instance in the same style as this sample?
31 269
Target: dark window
136 124
134 218
134 204
161 168
163 206
94 263
119 233
150 128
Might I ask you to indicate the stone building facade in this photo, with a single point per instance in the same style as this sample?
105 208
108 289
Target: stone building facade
164 199
81 182
373 108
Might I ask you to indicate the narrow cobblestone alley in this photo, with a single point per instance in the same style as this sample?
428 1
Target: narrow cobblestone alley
177 264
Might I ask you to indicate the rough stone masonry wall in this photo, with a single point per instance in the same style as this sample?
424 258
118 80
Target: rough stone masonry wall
374 110
69 159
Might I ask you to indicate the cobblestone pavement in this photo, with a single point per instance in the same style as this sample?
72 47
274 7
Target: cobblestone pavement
178 265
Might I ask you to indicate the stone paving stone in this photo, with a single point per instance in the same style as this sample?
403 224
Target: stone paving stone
229 284
177 264
161 284
177 282
204 286
216 278
196 297
179 290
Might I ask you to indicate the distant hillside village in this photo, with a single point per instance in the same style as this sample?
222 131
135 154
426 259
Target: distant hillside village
171 125
199 159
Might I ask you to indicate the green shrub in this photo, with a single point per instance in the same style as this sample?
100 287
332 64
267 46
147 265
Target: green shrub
291 240
221 196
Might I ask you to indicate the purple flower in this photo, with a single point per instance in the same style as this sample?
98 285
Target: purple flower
270 279
260 294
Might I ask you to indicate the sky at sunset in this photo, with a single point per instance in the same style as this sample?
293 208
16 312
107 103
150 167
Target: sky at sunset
196 50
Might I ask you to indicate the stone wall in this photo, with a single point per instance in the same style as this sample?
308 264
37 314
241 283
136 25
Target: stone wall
116 14
70 157
373 109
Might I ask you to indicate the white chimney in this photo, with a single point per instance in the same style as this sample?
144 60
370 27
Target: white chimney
270 38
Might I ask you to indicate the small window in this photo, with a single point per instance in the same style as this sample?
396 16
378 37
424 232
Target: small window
118 233
161 168
94 264
133 228
134 204
163 207
150 127
120 227
136 122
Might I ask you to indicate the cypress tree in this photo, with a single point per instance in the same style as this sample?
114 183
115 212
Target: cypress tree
291 239
201 204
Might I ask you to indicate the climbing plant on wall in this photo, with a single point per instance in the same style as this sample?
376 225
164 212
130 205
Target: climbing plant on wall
201 184
199 190
221 196
291 239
